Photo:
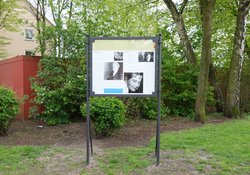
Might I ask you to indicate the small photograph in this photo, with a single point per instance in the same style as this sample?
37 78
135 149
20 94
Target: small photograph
118 56
134 81
113 71
146 56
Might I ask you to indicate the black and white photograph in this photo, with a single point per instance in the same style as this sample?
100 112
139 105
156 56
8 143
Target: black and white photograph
113 71
146 56
134 82
118 56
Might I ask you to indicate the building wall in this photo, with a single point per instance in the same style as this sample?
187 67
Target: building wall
16 73
17 44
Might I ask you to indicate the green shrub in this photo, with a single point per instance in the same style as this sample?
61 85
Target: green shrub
107 114
133 107
179 83
9 108
149 109
144 108
179 86
60 89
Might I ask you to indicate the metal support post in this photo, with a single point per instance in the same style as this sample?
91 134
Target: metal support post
159 103
90 134
87 101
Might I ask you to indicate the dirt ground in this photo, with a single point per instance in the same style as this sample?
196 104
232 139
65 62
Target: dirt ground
135 133
71 138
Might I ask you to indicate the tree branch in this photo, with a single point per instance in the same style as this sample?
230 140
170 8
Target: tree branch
183 5
171 6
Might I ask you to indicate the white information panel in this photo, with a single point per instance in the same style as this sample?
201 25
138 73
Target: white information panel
123 67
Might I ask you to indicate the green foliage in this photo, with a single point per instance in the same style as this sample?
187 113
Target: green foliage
9 18
144 108
3 42
33 112
224 20
148 108
9 108
60 84
59 88
179 82
120 19
210 97
9 21
107 114
133 107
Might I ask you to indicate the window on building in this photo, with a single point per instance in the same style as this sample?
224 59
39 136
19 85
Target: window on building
29 52
29 34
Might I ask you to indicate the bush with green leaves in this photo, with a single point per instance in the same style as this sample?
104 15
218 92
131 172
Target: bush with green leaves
59 88
145 108
107 114
133 107
179 87
149 109
9 107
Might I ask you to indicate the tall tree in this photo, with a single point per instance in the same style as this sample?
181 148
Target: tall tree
57 9
40 12
188 49
182 32
52 39
207 7
232 108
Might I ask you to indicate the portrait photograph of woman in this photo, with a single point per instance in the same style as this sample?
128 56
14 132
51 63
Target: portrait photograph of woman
113 71
134 81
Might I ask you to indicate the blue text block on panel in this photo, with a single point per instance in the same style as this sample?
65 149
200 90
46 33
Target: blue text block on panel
113 91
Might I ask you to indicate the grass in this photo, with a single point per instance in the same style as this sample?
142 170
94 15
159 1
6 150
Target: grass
228 143
213 149
125 160
226 148
17 159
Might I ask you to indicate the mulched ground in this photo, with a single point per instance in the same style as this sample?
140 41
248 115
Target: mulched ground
136 133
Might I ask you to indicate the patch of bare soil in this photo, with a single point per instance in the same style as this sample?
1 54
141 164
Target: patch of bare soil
33 132
176 162
136 133
57 161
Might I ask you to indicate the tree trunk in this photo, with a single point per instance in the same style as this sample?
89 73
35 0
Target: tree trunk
232 108
217 89
40 24
206 11
186 44
188 50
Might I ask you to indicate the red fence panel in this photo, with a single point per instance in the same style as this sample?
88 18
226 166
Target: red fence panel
15 73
